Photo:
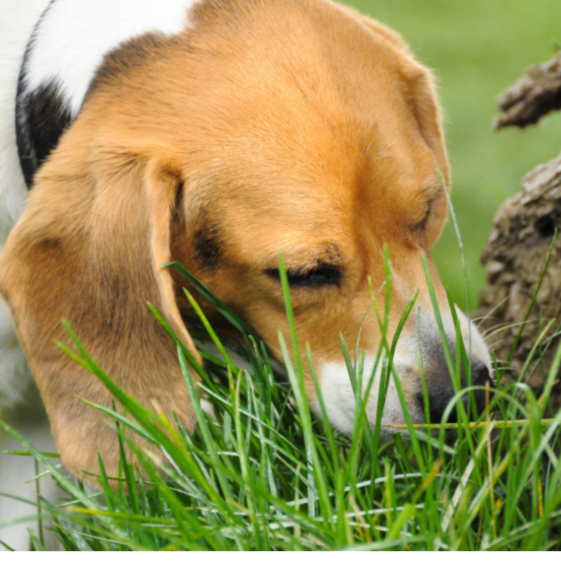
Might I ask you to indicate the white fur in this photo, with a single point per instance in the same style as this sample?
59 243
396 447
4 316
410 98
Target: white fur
16 26
77 34
15 376
339 398
17 20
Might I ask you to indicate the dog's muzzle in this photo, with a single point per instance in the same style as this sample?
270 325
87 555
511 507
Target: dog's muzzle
419 352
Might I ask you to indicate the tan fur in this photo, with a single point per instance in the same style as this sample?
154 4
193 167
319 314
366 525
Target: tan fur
293 126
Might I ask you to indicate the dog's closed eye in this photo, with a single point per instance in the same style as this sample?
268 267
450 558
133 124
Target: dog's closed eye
316 277
423 224
430 216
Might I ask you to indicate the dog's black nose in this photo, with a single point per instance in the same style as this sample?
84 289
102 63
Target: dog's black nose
480 376
439 399
441 392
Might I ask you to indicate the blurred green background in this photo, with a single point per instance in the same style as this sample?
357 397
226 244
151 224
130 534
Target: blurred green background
478 48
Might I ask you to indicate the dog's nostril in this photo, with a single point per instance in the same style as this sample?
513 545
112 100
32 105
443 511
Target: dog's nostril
480 400
441 393
437 407
480 375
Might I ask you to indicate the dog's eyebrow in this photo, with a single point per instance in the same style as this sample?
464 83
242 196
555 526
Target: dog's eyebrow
329 256
433 188
432 192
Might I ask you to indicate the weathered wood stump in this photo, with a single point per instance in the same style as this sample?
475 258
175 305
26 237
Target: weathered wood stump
520 239
537 93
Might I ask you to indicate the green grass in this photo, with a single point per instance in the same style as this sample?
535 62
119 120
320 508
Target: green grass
267 475
477 49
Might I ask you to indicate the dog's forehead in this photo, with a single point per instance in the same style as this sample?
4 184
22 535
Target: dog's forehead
296 110
316 175
308 218
319 113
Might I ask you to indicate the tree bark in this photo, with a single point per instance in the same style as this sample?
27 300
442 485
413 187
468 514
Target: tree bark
537 93
520 240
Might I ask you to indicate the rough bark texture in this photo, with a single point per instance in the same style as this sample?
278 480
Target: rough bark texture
514 256
520 240
538 92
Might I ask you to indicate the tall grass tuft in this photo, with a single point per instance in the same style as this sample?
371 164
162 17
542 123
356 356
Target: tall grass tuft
265 474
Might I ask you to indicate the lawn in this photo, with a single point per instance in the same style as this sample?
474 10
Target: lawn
477 48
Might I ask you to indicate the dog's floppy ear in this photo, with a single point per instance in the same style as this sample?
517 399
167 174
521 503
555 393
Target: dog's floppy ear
90 248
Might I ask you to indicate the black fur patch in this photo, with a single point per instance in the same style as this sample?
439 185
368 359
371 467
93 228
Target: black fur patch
41 118
43 114
208 245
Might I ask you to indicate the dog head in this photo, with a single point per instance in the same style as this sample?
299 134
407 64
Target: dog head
266 127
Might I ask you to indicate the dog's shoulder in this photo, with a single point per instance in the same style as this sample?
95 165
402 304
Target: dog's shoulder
68 46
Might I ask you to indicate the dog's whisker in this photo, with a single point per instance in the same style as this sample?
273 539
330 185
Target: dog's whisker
479 321
507 326
491 329
488 315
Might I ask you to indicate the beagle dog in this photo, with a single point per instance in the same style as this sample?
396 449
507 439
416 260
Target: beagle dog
218 133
